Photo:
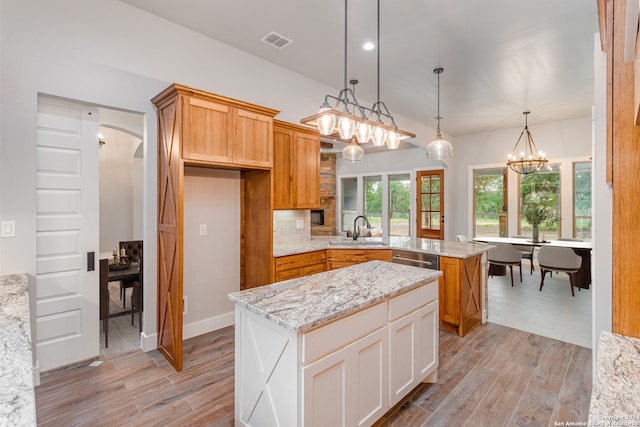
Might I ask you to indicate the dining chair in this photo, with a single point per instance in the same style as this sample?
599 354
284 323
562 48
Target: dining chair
564 260
505 254
133 249
526 251
570 239
104 298
463 239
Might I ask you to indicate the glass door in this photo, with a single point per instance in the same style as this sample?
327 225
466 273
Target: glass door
430 192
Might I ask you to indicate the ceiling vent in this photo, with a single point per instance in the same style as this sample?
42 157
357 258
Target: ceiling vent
276 40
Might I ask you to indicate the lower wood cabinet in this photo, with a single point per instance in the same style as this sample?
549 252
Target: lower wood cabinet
338 258
460 293
299 265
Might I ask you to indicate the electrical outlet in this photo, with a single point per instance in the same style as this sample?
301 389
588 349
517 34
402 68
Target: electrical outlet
203 229
299 224
184 306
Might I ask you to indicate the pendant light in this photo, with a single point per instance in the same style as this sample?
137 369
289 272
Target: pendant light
439 148
348 118
529 159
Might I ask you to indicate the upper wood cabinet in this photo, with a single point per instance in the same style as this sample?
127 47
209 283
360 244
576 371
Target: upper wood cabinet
222 131
296 166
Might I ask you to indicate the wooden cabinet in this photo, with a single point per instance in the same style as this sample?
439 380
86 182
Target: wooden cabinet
224 132
299 265
203 129
338 258
460 292
296 167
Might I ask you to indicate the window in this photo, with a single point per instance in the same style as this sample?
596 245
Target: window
542 188
349 202
582 200
399 204
490 202
373 202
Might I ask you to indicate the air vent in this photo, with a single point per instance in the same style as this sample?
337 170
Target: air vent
276 40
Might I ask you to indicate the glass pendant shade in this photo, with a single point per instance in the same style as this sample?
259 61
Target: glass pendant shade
363 132
353 153
393 140
378 136
439 148
346 127
327 122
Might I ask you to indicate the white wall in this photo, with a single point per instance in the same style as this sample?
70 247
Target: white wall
111 54
561 141
211 261
118 184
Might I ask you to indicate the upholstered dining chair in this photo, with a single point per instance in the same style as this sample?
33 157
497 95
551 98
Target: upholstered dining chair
463 239
564 260
526 251
505 254
133 250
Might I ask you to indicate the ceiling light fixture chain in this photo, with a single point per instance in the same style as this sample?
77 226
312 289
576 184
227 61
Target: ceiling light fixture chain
439 148
348 118
529 160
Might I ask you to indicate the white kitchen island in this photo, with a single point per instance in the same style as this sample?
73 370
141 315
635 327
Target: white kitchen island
338 348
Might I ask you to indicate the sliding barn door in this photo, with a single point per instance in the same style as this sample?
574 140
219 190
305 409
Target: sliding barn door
430 203
170 232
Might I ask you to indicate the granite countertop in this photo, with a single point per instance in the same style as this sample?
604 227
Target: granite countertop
431 246
17 396
300 304
615 399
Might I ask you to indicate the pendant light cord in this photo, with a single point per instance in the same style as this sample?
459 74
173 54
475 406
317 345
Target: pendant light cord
378 47
439 72
345 43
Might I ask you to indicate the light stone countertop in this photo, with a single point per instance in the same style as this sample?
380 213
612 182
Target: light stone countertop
431 246
17 395
615 399
300 304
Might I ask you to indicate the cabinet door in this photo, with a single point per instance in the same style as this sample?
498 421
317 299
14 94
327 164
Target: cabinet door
253 139
325 391
470 294
305 150
402 365
207 131
427 343
449 290
282 178
370 378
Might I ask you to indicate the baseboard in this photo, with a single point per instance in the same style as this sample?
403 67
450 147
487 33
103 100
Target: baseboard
36 374
207 325
484 316
190 330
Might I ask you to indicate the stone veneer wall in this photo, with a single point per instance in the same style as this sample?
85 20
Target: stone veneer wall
327 195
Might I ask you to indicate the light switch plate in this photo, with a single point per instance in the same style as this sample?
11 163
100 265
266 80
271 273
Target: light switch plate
203 229
8 229
299 224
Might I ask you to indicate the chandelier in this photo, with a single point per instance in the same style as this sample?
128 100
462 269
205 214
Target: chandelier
348 119
529 159
439 148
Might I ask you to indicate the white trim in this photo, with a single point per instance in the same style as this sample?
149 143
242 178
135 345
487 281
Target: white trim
211 324
148 342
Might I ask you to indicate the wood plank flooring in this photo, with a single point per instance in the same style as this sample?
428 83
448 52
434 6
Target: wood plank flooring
494 376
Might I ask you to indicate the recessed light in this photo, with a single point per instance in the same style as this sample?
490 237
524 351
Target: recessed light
368 46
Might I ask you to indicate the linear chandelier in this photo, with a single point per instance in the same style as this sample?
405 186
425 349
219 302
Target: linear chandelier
529 160
348 119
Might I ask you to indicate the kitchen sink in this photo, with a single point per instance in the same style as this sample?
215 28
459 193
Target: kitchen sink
357 243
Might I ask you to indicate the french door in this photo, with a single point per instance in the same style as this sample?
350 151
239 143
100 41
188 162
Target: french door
430 203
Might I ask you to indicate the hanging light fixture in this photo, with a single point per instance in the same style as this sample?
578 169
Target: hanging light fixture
439 148
528 159
348 118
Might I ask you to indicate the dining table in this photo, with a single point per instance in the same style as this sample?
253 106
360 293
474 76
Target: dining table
129 274
582 277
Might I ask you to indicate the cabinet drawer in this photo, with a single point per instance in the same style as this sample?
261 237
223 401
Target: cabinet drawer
358 255
313 269
410 301
333 336
288 274
299 260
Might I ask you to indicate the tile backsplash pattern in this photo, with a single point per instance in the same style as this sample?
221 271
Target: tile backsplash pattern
285 226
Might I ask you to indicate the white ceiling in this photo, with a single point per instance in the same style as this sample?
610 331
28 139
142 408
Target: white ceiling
500 57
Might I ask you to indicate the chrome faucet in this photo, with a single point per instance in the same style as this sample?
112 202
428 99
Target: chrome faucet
356 232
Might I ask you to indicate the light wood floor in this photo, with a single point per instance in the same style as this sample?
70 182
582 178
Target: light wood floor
494 376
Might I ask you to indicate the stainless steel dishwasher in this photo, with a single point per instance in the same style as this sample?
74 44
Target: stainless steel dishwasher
416 259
